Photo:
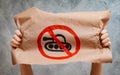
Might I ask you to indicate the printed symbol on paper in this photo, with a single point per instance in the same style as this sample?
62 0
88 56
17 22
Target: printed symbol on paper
51 45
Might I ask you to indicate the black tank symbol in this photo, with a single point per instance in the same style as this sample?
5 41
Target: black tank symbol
53 46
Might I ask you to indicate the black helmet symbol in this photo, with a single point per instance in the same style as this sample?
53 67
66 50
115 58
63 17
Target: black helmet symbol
53 46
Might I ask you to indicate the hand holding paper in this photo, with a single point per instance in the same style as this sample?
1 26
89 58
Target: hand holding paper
16 40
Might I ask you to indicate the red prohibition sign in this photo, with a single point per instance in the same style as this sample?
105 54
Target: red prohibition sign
50 30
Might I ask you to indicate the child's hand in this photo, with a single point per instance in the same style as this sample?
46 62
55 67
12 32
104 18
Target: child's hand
105 40
15 42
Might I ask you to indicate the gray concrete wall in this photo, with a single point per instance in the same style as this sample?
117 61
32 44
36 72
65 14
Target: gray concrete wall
8 8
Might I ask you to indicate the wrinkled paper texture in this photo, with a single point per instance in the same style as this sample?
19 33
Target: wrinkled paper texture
58 38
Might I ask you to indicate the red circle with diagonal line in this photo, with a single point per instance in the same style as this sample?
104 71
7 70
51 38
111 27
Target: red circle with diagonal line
50 30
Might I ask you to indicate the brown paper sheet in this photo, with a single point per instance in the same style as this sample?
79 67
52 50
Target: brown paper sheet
58 38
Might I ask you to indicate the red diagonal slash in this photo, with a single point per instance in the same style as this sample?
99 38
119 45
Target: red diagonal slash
59 43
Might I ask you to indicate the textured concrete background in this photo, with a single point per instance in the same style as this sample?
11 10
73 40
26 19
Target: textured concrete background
8 8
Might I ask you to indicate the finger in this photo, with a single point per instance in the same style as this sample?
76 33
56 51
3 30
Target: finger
13 45
108 44
104 36
15 42
17 32
17 38
103 31
105 40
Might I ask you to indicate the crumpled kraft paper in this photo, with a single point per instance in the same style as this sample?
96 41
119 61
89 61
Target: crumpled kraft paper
58 38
